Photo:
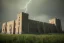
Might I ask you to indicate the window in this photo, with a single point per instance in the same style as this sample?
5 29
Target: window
19 18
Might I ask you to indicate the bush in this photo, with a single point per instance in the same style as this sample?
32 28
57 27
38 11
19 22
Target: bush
31 38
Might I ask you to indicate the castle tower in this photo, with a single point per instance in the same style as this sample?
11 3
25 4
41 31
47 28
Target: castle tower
57 23
21 25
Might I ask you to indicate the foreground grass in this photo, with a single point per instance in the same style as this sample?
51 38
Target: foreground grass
31 38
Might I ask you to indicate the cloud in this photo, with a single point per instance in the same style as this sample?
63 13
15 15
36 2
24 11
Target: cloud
41 10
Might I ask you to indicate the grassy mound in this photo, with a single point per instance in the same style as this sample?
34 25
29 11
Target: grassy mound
31 38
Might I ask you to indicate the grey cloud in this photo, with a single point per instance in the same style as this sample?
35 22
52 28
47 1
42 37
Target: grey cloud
41 10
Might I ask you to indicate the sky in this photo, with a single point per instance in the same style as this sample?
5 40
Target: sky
40 10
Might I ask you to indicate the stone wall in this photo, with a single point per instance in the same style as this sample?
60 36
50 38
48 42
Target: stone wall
23 25
41 27
4 29
10 27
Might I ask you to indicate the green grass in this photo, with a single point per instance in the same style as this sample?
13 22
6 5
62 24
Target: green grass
32 38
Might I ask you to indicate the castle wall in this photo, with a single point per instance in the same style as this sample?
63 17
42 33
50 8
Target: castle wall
49 28
16 27
25 23
58 26
18 24
10 27
21 23
35 27
4 29
41 27
46 28
57 23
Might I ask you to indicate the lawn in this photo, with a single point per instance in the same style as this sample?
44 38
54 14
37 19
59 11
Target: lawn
32 38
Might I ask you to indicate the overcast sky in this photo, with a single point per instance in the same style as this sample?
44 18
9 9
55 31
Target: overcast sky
40 10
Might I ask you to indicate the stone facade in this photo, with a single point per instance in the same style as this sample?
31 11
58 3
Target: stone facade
57 23
4 28
18 24
23 25
10 27
41 27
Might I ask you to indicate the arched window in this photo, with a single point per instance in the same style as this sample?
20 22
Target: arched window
19 19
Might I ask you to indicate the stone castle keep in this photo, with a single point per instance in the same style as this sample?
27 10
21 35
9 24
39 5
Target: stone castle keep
23 25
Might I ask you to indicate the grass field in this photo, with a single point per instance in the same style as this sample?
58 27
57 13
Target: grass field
32 38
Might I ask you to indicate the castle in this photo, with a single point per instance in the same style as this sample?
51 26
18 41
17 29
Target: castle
23 25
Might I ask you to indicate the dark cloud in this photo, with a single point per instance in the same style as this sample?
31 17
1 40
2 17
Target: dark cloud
41 10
